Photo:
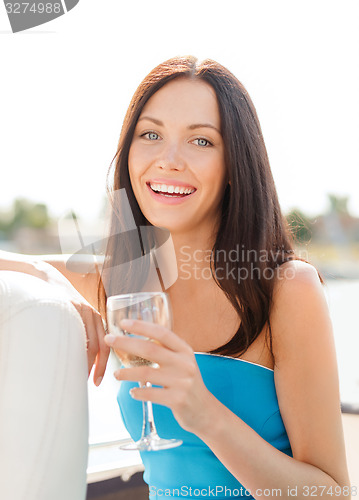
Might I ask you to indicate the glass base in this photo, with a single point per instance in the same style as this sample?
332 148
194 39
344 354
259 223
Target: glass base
152 443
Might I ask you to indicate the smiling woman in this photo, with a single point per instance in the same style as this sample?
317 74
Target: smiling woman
247 376
238 377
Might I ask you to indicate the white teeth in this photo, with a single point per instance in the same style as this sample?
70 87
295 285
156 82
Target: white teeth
163 188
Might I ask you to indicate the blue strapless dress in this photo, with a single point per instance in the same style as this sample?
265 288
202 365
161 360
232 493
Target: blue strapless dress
192 470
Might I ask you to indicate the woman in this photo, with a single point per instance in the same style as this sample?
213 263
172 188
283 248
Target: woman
248 377
194 126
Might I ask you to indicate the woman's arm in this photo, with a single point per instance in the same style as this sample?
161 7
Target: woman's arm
85 280
79 287
307 387
17 262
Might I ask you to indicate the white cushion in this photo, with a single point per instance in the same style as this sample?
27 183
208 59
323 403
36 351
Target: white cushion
43 393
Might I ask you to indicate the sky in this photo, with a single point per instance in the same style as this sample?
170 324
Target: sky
65 87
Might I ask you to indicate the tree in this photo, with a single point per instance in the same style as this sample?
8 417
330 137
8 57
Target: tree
338 204
24 213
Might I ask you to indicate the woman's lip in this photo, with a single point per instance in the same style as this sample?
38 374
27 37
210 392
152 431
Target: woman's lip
169 200
169 182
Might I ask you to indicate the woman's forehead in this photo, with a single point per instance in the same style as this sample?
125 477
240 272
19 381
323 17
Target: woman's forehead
184 97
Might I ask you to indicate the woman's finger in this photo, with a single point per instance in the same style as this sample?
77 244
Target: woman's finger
104 350
156 332
151 351
91 334
156 376
157 395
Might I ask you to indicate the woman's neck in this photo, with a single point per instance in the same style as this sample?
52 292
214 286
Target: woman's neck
202 314
191 259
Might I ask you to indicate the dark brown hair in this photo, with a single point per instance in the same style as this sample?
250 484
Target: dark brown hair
251 221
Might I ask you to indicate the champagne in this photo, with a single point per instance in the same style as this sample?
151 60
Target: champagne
128 360
153 307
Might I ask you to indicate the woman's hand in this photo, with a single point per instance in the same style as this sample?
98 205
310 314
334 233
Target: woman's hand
183 390
97 350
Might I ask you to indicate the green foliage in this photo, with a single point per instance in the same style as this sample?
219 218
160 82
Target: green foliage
338 204
300 226
24 213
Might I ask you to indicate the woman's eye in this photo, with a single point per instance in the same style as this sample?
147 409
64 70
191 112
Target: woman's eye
203 142
152 136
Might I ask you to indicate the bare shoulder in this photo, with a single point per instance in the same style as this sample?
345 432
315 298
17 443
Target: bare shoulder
305 372
296 273
299 308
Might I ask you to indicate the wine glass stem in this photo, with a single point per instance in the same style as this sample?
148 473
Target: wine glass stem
149 427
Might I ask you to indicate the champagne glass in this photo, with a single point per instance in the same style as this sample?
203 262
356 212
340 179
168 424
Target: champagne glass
147 306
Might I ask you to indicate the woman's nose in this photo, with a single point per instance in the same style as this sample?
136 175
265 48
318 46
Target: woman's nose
171 158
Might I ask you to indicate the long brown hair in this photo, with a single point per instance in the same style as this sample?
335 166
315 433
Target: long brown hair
252 223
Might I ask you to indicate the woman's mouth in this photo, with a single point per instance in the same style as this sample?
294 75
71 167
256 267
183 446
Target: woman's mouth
171 191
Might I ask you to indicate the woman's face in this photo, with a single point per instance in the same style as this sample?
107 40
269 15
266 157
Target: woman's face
176 159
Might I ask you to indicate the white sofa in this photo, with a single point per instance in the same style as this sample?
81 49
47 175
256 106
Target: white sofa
43 393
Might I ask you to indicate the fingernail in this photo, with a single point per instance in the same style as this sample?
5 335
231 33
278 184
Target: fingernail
133 393
98 381
126 322
109 339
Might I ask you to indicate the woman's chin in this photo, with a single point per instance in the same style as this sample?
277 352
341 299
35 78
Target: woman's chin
174 227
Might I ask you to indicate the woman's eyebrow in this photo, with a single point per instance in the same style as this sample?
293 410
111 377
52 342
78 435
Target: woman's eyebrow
190 127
